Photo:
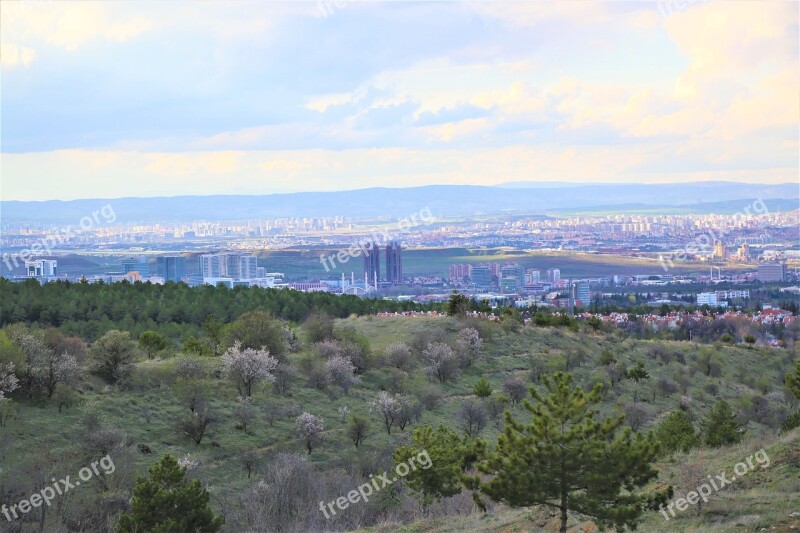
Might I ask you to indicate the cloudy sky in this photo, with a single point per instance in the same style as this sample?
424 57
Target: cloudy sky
110 99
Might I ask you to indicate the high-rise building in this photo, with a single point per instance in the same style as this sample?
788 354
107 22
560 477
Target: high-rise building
719 250
394 262
372 263
482 276
553 275
210 266
744 252
583 295
248 266
771 272
230 265
171 267
41 268
136 264
511 277
460 272
532 276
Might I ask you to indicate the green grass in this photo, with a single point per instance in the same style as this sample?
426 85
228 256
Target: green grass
436 262
40 428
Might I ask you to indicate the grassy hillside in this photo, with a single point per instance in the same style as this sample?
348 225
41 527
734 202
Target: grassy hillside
146 408
764 500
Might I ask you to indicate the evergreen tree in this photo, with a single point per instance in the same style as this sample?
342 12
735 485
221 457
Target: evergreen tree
449 456
720 426
637 373
458 305
676 433
482 389
793 380
167 502
113 355
567 460
151 342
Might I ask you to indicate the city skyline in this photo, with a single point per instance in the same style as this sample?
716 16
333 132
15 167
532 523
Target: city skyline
118 99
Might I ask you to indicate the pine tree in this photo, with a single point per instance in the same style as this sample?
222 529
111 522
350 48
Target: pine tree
793 380
676 433
449 455
167 502
483 388
151 342
637 374
567 460
720 426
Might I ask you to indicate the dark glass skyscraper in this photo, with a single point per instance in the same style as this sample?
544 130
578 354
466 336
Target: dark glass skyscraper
171 267
394 262
372 263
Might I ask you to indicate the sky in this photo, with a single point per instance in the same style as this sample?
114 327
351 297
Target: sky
115 99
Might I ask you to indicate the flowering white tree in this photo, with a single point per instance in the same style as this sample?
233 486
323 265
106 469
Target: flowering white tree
327 349
310 428
469 345
341 371
398 354
248 367
389 408
441 360
8 380
57 369
189 367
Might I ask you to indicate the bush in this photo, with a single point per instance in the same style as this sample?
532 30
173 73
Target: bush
482 389
676 433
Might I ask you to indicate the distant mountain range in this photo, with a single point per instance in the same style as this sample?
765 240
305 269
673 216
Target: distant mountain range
450 200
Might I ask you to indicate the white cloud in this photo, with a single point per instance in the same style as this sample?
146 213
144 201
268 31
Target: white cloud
70 25
12 56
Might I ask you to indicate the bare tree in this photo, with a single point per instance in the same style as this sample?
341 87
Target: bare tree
515 389
472 418
189 367
196 424
284 375
245 411
637 415
250 461
495 408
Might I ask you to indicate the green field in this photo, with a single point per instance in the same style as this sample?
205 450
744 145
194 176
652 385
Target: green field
437 261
